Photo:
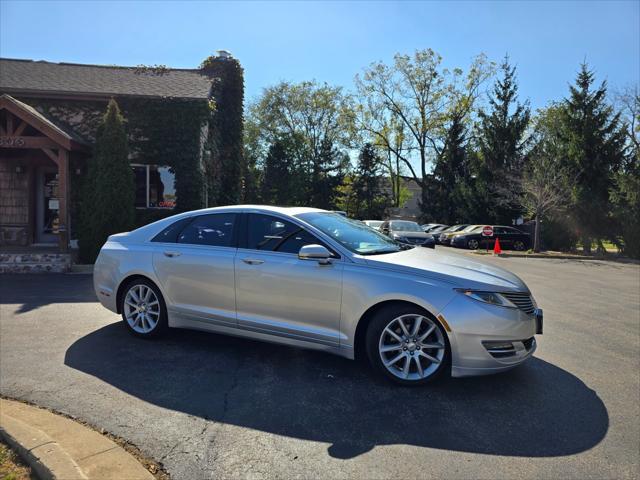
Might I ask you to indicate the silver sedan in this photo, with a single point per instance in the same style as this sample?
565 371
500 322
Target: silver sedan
316 279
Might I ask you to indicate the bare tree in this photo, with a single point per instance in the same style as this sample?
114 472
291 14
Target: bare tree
545 183
545 191
420 96
628 101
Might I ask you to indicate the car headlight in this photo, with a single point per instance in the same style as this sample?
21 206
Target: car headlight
492 298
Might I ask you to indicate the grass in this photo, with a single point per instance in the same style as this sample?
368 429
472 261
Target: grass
11 468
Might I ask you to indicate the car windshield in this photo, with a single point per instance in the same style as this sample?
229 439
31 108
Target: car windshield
373 223
354 235
439 229
405 226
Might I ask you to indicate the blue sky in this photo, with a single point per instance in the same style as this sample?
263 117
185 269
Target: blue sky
332 41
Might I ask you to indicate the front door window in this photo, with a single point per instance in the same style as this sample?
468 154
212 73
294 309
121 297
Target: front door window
51 203
48 205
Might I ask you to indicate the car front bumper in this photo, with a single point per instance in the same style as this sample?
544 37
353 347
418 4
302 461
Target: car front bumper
481 334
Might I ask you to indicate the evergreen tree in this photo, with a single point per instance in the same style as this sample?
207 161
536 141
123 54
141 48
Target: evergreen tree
501 144
107 205
328 170
369 201
278 169
594 143
447 193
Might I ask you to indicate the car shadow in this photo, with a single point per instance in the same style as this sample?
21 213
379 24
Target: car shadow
30 291
536 410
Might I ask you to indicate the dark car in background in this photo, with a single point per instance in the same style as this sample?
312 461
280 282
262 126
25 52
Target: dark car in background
430 227
510 238
407 232
444 238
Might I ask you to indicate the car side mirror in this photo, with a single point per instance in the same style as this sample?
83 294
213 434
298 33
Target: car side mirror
315 252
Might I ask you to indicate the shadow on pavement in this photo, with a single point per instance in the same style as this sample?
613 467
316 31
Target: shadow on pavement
32 291
535 410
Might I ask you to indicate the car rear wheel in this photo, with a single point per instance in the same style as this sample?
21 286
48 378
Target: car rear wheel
473 244
518 245
407 345
143 309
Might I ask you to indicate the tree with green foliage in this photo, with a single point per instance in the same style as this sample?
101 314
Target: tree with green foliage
328 170
277 173
594 141
107 205
314 118
419 94
502 141
449 193
369 200
545 181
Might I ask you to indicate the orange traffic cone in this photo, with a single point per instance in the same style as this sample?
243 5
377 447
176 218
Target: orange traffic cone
496 247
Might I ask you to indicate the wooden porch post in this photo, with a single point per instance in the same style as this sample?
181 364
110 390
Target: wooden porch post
63 193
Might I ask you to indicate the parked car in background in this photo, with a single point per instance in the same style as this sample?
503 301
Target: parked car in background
444 237
429 227
375 224
510 238
315 279
407 232
438 230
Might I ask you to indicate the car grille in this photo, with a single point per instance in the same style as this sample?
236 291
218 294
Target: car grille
522 300
416 241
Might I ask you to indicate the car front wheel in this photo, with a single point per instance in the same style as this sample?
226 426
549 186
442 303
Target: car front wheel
407 345
473 244
143 309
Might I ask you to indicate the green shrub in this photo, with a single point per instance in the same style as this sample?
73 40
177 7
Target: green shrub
107 200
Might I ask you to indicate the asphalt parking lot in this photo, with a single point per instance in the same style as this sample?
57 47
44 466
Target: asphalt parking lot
210 406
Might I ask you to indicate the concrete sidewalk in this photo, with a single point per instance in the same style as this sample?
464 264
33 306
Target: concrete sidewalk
57 447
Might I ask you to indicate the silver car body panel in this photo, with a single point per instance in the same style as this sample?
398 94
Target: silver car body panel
280 298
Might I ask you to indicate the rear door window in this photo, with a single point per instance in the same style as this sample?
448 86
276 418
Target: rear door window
170 234
216 230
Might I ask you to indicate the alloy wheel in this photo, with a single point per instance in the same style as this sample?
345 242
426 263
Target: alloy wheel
412 347
473 244
141 308
518 245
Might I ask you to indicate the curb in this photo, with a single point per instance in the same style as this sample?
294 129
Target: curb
58 448
558 257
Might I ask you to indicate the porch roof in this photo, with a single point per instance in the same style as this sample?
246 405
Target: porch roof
36 119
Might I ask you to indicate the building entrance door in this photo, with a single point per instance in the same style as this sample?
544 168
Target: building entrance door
47 205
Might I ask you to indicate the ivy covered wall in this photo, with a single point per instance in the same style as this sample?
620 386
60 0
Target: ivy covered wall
201 140
226 165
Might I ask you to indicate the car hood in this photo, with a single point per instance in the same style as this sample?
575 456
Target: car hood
461 270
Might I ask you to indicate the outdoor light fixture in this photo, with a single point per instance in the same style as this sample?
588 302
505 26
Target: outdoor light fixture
19 169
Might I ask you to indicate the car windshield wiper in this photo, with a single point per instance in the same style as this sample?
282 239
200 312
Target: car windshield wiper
380 251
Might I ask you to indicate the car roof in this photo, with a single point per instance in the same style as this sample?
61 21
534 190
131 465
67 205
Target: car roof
261 208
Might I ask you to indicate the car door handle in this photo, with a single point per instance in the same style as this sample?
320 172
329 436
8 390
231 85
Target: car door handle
171 254
252 261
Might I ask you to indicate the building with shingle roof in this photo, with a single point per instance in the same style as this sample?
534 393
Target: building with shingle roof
49 114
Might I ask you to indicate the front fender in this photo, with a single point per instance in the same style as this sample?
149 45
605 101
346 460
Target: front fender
365 287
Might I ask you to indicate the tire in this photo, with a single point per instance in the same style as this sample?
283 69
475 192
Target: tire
518 245
473 244
144 311
415 364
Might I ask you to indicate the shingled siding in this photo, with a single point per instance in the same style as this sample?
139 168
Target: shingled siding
14 204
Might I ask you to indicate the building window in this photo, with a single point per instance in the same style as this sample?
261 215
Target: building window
155 186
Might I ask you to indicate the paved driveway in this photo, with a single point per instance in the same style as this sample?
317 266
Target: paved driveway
209 406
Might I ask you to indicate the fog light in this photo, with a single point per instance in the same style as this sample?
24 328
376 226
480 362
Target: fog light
498 345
